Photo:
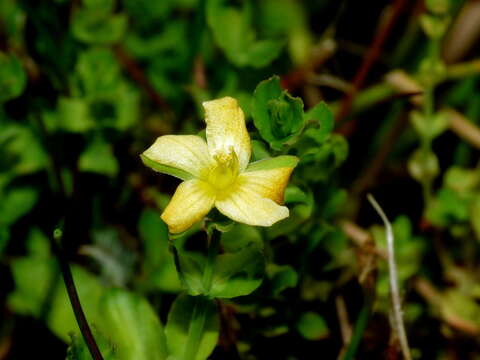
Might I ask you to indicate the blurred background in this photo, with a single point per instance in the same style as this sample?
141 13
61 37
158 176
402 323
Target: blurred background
88 85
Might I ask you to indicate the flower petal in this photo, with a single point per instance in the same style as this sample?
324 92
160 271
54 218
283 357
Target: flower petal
268 184
185 152
190 203
226 129
246 206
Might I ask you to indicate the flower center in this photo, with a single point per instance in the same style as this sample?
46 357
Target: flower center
225 171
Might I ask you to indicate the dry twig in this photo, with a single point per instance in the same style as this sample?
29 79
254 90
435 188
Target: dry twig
393 277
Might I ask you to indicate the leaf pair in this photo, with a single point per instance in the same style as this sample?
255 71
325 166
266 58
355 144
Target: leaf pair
280 119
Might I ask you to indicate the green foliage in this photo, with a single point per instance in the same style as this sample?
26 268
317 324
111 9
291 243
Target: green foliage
277 116
95 23
13 78
133 326
98 158
237 272
282 277
408 255
312 326
86 86
16 203
78 350
178 325
233 32
158 264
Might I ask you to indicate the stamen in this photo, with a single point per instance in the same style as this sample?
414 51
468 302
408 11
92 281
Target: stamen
224 173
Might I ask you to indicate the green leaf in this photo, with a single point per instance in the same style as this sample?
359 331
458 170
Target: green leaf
98 72
98 158
429 127
133 326
178 325
263 52
301 204
22 153
32 277
78 349
158 264
423 165
240 236
322 115
283 277
61 319
239 273
126 108
312 326
277 116
38 244
97 28
13 78
190 270
154 233
259 150
233 32
16 203
273 163
461 180
74 115
165 169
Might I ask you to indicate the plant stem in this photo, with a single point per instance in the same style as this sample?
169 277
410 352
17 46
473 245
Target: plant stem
359 329
74 299
199 314
393 277
213 247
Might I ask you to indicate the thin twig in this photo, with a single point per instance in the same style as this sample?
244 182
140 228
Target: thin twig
368 61
464 128
74 299
435 298
374 168
394 290
361 238
138 75
345 328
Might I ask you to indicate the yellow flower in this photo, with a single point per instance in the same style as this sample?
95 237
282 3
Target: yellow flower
217 172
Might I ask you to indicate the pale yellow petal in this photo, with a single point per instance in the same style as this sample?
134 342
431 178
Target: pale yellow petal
246 206
226 129
186 152
267 183
190 203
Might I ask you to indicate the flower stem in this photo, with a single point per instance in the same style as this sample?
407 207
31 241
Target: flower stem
199 314
213 247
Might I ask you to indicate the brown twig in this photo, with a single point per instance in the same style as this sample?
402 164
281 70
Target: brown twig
320 54
464 128
369 60
433 296
342 314
361 238
374 168
138 75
